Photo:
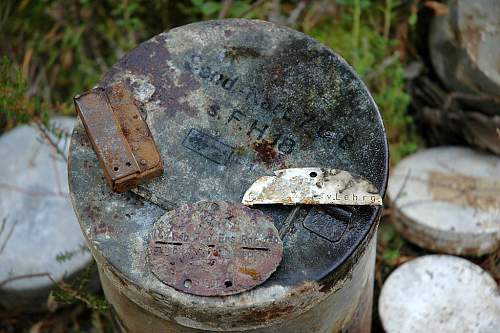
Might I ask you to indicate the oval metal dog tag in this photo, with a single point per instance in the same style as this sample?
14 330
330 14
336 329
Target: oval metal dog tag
214 248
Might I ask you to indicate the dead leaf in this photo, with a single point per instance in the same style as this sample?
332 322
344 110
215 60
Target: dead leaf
37 328
440 9
67 59
52 304
26 62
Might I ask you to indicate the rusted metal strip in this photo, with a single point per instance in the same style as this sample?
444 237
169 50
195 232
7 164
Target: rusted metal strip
120 137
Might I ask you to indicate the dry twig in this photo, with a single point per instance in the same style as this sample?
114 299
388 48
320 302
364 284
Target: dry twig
9 234
253 7
44 131
226 5
25 276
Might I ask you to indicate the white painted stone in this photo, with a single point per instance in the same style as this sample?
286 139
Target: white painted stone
447 199
440 293
40 222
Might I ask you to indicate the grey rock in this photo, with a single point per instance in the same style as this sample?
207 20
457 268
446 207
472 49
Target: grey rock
37 217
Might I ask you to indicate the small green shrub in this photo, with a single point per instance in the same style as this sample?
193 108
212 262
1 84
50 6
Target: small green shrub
15 105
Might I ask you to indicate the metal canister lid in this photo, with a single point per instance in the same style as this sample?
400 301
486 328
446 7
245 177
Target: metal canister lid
440 293
446 199
228 102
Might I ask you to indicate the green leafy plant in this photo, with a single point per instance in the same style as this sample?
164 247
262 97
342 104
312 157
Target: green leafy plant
215 9
15 105
78 291
68 255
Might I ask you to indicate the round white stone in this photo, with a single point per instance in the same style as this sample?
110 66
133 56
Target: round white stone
440 293
447 199
36 214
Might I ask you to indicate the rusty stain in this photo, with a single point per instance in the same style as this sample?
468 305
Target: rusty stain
128 157
307 201
252 272
92 212
467 191
471 36
102 228
265 152
159 303
265 316
87 164
214 248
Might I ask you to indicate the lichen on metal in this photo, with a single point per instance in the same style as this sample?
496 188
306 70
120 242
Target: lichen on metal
214 248
120 137
312 186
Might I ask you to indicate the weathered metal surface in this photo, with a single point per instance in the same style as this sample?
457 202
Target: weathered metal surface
119 136
446 199
465 53
440 293
214 248
312 186
351 299
228 102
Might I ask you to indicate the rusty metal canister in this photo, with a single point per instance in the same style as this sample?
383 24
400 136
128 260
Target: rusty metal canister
228 102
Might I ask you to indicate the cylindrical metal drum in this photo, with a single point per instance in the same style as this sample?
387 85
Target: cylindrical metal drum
227 102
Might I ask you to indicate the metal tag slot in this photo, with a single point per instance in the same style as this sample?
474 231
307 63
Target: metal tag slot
119 136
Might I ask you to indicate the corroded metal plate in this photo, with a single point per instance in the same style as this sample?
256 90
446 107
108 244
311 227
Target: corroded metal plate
312 186
214 248
120 137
